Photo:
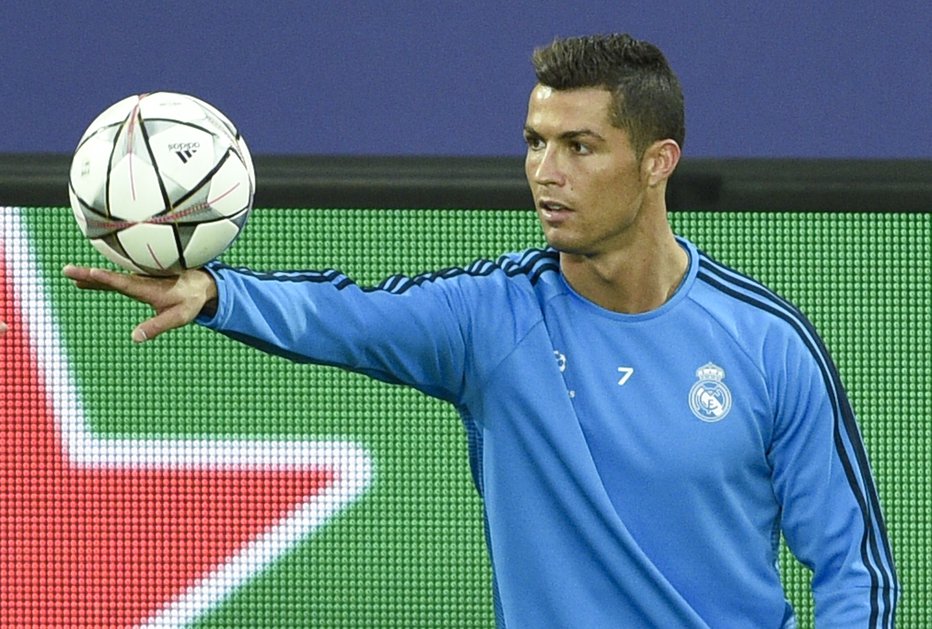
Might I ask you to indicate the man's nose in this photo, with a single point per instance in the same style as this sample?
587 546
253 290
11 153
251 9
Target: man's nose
546 168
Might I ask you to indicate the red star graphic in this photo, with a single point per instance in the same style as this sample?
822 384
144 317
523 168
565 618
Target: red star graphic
109 546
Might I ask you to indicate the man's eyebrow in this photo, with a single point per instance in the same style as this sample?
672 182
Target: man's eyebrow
575 134
572 134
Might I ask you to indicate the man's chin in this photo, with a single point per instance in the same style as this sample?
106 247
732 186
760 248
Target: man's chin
561 242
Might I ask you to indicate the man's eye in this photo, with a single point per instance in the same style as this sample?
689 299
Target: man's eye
533 142
579 148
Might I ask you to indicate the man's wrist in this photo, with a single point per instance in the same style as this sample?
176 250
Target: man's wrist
211 301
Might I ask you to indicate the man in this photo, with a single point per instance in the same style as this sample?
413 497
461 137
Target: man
643 422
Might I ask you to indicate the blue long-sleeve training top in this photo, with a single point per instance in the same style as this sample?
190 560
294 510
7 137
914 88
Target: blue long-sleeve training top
635 470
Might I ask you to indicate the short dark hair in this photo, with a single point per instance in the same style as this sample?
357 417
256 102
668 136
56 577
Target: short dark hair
647 100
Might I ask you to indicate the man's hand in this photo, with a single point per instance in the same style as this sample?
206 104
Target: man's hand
176 300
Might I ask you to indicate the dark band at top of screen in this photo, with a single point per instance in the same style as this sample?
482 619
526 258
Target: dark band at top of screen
395 182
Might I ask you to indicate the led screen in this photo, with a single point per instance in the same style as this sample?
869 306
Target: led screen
195 481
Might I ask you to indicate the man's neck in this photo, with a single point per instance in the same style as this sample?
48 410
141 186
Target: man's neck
629 280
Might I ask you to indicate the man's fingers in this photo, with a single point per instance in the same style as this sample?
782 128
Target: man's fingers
101 278
78 274
97 279
145 289
166 320
176 299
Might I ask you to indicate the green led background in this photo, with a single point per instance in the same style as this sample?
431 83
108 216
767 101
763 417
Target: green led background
410 552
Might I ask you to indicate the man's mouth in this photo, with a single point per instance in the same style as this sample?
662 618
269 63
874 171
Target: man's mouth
551 207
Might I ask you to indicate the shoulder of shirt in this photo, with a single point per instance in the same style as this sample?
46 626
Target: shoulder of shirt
745 306
531 266
534 264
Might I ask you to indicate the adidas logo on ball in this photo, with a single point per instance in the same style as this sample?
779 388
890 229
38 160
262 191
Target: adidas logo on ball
184 151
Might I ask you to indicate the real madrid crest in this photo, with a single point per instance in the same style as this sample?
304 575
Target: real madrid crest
709 398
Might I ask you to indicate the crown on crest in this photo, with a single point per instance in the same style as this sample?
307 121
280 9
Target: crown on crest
710 371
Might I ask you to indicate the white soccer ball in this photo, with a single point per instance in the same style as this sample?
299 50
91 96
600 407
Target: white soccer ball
161 182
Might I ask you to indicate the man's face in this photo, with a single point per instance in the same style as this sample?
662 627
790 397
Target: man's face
582 171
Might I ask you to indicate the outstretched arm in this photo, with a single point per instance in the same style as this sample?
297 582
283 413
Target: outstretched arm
175 300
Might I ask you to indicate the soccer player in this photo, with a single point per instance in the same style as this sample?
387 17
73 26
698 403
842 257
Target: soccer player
643 421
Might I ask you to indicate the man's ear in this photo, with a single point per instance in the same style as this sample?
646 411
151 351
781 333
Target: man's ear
660 160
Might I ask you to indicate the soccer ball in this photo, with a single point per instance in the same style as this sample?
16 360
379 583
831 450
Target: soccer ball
161 182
